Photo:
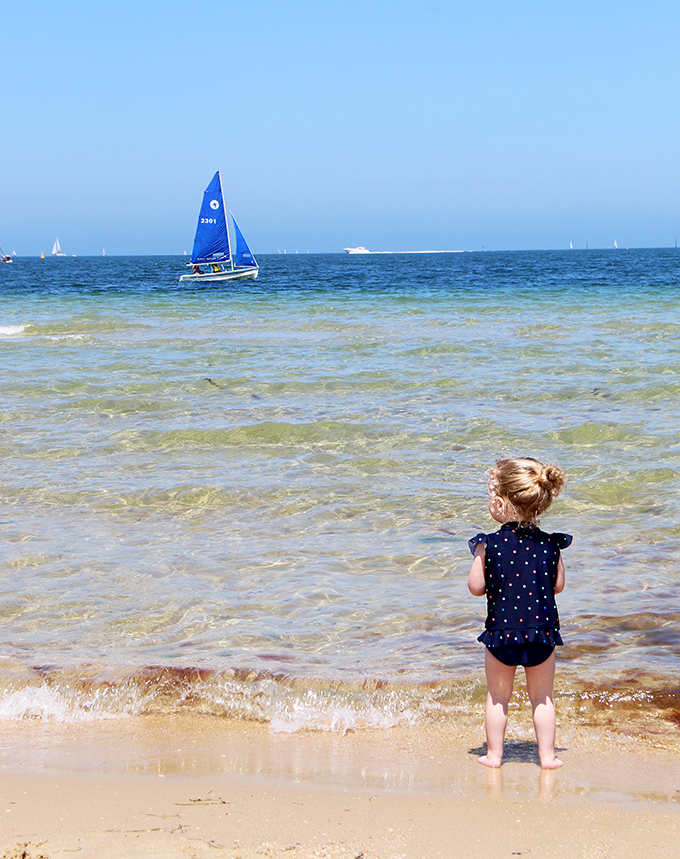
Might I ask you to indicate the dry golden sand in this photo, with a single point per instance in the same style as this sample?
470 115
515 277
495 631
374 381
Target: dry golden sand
174 788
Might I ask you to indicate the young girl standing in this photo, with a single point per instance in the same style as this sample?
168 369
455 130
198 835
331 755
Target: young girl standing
520 569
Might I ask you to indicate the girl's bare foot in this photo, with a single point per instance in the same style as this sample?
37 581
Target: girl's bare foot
490 761
552 764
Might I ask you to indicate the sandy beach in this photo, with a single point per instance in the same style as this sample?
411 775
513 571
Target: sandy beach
193 788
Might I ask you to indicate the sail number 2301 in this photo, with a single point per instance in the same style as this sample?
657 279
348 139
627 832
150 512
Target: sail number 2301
208 220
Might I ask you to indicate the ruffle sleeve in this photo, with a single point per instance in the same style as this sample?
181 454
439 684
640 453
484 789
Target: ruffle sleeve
476 540
498 637
561 541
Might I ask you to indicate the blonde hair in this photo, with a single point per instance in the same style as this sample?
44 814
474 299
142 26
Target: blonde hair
528 486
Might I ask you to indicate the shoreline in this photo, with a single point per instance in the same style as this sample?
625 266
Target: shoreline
186 786
640 703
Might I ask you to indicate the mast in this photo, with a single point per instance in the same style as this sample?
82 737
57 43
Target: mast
226 222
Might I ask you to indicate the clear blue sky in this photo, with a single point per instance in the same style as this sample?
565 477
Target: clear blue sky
399 126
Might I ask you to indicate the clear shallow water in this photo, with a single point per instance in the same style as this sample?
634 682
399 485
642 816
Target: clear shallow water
254 500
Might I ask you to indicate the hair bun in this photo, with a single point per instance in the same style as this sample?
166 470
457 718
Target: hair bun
552 479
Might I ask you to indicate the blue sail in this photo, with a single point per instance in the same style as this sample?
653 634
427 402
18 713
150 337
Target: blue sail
242 257
212 239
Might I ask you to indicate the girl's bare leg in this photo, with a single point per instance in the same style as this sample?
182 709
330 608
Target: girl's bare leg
499 679
540 679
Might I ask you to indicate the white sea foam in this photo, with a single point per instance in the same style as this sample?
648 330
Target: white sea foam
66 337
318 713
55 704
287 710
12 330
41 702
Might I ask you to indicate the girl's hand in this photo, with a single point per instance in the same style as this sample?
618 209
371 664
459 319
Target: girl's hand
476 583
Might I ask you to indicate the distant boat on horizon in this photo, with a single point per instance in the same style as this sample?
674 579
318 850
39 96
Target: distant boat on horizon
5 257
56 249
615 245
359 250
211 245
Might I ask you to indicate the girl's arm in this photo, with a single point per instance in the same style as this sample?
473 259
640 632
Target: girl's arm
476 583
559 581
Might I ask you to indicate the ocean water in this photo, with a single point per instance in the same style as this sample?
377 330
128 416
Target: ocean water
253 501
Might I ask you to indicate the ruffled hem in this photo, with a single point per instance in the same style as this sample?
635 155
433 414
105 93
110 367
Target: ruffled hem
562 541
476 540
498 638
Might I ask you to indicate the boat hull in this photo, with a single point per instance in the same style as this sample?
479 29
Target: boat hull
209 276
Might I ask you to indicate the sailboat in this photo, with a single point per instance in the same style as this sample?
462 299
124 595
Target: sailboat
211 258
5 257
56 250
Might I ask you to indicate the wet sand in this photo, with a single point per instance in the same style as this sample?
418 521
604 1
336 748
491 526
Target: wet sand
197 787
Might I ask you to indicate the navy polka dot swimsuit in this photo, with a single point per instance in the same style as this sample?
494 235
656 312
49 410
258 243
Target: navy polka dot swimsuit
520 570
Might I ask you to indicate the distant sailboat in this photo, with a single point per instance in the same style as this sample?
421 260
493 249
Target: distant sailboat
615 245
571 246
211 258
56 250
104 252
4 257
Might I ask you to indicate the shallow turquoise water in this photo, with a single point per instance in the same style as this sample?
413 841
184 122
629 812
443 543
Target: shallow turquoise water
280 477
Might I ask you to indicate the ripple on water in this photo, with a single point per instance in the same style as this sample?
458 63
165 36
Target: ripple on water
281 477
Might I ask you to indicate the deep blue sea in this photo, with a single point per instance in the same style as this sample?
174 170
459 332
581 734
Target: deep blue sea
253 500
